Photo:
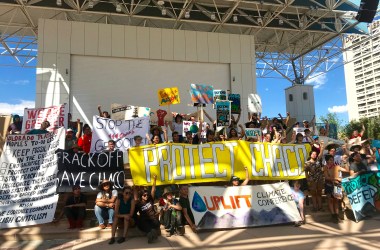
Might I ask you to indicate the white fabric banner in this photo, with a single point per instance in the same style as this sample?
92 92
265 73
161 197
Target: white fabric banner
243 206
57 116
28 172
122 132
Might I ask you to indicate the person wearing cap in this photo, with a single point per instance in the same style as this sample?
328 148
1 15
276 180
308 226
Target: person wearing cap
16 126
316 146
41 130
74 209
171 213
105 204
124 210
69 139
235 181
147 220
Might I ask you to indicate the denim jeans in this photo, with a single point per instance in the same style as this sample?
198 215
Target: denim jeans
102 213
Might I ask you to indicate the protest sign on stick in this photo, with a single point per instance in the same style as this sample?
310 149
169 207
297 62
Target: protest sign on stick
223 113
168 96
28 172
127 112
57 116
220 95
201 93
235 105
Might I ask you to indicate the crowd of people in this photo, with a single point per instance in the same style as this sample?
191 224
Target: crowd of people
327 164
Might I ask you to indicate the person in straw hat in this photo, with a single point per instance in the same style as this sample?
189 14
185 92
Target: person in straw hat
171 216
105 203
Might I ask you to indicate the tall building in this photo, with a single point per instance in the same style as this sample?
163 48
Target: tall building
362 73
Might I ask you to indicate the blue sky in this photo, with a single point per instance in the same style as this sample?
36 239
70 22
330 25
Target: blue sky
18 88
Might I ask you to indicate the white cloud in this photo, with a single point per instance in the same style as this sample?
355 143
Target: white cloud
317 80
338 109
16 82
21 82
8 108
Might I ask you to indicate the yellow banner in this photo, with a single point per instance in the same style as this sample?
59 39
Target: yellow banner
168 96
176 163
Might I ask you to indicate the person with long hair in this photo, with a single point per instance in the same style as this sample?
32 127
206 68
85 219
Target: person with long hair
147 220
124 210
314 177
105 203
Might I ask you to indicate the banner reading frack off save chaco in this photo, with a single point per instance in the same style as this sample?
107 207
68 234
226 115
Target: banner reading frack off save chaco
184 163
243 206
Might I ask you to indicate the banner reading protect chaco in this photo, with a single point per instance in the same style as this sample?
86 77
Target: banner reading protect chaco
28 172
57 116
209 162
88 170
243 206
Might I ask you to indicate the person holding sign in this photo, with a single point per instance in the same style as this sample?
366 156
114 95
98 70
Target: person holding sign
233 134
16 126
103 114
105 203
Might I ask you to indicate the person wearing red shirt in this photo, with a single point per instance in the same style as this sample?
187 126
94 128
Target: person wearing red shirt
85 140
356 134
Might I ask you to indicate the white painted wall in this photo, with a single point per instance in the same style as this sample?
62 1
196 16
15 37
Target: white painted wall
300 108
128 64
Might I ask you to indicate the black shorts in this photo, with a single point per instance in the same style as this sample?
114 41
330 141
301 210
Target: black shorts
329 189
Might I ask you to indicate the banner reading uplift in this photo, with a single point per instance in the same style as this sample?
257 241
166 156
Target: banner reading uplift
243 206
209 162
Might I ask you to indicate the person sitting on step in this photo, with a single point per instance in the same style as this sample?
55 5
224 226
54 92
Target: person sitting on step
124 209
171 216
105 203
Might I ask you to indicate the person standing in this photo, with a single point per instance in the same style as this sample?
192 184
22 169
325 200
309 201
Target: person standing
16 126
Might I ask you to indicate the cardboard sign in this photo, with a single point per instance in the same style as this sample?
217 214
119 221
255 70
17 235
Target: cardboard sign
122 132
254 103
363 192
193 127
201 93
220 95
57 116
223 113
235 103
299 130
127 112
168 96
243 206
254 133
